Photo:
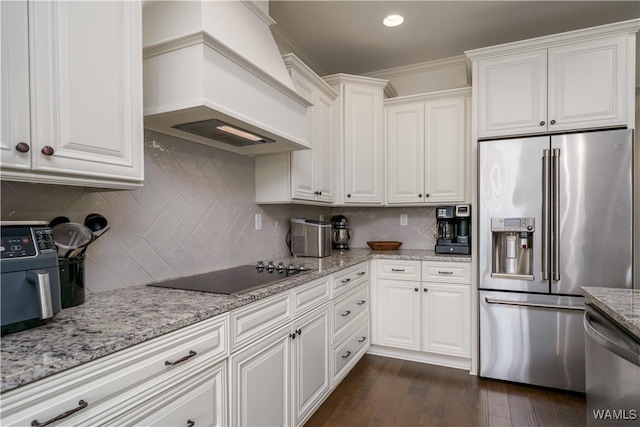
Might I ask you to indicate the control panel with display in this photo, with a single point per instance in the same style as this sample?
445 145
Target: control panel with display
23 241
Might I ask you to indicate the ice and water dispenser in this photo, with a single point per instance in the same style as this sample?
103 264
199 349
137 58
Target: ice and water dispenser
512 251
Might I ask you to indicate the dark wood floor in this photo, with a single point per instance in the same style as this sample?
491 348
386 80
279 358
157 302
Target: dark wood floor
381 391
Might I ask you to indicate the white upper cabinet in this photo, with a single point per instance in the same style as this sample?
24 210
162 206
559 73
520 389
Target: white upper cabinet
303 175
312 170
426 143
571 81
359 140
72 93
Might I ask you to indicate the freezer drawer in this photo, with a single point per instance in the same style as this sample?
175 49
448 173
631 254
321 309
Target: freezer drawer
532 339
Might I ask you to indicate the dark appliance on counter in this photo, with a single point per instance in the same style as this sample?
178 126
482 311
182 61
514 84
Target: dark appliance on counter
549 222
454 230
309 238
341 234
30 277
236 280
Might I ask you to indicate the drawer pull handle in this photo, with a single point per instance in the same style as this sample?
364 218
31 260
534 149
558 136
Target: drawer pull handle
361 302
81 405
346 280
187 357
362 273
345 314
363 339
346 355
445 272
190 423
398 270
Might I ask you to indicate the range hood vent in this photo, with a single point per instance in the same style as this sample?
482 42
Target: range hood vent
223 132
214 63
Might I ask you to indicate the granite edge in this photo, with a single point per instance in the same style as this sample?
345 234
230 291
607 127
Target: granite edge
593 294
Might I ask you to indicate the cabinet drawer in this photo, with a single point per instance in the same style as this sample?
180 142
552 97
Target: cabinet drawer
349 278
256 319
311 295
349 309
398 269
347 353
446 272
198 396
99 382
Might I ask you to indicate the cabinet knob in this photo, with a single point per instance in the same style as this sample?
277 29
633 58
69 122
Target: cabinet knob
542 123
47 150
319 193
427 195
292 336
190 423
348 195
553 122
299 331
22 147
426 289
416 289
420 195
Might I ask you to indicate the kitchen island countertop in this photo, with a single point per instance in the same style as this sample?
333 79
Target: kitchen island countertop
622 305
111 321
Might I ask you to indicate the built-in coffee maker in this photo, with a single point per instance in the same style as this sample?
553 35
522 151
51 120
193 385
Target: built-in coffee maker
512 248
454 229
341 234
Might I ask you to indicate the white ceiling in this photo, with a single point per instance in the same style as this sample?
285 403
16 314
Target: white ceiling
348 36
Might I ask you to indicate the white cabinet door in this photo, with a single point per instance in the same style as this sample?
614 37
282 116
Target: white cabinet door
260 382
405 143
85 83
363 145
399 314
14 86
512 94
323 147
302 161
445 142
310 362
587 84
446 319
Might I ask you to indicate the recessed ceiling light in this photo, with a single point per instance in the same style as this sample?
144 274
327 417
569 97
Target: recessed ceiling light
393 20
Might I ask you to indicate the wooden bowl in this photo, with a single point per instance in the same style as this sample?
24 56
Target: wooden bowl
384 246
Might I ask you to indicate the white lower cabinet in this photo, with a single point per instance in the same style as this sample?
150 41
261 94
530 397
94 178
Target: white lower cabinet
260 382
399 314
423 307
132 384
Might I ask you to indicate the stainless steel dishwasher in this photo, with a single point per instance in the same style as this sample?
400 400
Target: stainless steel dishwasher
612 372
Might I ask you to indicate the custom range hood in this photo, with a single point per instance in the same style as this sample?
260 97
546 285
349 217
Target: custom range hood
213 74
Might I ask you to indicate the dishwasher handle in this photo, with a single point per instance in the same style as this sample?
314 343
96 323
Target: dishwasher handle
604 340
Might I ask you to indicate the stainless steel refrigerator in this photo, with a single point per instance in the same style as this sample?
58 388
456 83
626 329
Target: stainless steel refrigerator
555 213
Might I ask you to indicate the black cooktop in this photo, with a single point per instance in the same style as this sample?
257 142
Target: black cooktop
236 280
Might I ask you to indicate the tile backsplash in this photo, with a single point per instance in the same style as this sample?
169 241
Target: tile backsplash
195 213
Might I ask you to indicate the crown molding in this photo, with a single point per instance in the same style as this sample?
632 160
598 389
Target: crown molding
421 67
287 44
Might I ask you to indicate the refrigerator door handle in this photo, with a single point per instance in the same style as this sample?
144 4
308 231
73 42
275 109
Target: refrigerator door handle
555 239
534 305
545 215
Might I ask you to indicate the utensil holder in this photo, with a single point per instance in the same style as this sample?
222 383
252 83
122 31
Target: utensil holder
71 281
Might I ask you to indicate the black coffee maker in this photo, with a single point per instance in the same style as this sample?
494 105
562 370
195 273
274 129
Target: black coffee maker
454 230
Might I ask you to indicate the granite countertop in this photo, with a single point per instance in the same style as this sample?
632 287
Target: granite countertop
111 321
622 305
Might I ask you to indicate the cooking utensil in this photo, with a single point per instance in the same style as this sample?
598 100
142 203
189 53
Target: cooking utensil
95 222
70 236
58 220
81 251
